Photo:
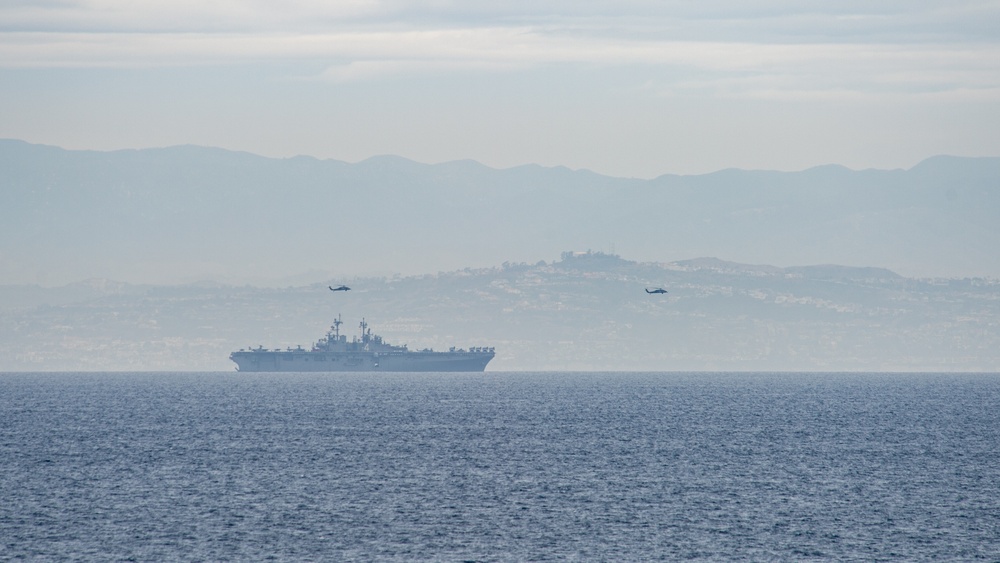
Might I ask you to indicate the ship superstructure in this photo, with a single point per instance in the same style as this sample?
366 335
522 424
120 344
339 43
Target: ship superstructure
334 352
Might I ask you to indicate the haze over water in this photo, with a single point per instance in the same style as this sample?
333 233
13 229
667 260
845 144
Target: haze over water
500 466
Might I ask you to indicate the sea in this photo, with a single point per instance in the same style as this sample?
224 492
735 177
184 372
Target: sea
495 466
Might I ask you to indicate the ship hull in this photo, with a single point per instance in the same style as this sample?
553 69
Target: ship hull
280 361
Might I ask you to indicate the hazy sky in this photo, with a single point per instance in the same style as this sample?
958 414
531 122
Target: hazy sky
625 88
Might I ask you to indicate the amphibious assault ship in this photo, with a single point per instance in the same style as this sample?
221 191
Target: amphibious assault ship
367 353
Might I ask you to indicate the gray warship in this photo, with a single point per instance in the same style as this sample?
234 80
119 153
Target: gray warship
367 353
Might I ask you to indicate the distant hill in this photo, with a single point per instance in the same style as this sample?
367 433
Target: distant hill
190 213
586 311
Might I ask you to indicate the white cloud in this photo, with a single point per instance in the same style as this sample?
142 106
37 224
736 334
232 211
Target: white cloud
731 69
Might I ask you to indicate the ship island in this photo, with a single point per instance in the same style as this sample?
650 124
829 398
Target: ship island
369 352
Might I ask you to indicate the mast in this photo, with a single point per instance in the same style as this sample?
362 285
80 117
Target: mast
364 331
336 327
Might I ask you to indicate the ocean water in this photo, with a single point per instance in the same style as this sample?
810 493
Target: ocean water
499 466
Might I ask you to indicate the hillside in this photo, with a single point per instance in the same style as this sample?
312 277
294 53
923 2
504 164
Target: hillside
586 311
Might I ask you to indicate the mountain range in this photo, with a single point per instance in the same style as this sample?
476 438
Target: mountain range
186 213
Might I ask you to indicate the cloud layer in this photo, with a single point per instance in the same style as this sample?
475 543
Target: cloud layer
598 72
782 49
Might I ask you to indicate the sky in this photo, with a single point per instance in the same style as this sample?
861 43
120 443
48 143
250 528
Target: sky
627 88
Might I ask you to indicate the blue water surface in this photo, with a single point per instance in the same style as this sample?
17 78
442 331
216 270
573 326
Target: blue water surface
499 466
